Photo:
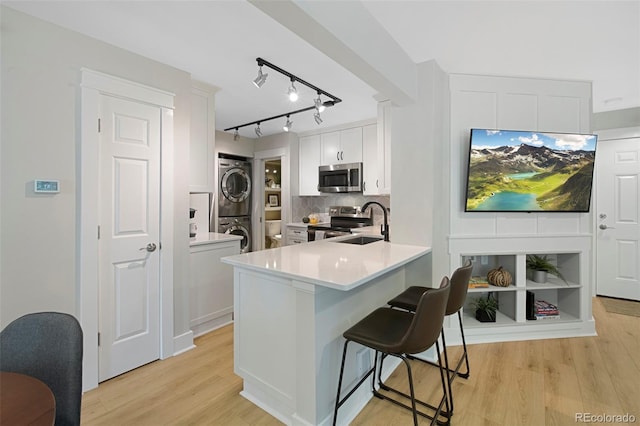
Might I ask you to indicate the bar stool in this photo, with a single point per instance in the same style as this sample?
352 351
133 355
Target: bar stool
400 333
408 300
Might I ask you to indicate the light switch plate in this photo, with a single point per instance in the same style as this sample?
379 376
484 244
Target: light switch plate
46 186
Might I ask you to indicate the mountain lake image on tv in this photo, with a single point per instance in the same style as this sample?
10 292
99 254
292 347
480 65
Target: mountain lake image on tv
525 171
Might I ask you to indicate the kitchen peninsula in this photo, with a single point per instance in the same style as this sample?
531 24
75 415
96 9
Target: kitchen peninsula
292 305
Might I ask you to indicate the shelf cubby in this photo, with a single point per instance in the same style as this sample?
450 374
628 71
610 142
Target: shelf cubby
571 254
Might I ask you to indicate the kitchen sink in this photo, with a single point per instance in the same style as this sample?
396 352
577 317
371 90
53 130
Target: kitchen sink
360 240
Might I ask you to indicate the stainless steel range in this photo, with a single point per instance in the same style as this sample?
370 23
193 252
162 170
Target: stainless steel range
343 220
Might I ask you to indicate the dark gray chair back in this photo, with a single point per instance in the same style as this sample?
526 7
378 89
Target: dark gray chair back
48 346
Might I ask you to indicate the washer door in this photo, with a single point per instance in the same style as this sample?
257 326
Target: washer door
238 229
236 185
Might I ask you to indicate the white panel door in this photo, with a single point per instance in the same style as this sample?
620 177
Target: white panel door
129 235
618 210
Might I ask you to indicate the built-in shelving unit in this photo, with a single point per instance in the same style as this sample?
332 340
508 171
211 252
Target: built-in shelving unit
572 297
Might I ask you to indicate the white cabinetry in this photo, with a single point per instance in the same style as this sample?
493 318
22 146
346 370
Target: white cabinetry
211 286
384 147
344 146
202 143
371 183
572 298
296 234
309 161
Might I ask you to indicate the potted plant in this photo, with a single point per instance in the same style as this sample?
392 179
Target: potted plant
540 266
485 308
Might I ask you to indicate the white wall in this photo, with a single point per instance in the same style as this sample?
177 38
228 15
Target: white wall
40 136
416 133
243 147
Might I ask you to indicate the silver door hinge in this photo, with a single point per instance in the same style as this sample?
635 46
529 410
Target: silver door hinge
99 127
98 231
98 339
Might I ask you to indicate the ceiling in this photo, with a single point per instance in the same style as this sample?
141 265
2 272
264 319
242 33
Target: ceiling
218 42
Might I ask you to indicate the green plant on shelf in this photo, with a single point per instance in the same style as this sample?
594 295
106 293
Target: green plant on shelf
487 305
541 263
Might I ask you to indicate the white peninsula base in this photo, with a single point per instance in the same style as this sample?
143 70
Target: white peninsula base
292 305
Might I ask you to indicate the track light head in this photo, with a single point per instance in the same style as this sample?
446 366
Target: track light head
292 92
287 125
236 135
261 78
318 103
258 131
317 117
328 103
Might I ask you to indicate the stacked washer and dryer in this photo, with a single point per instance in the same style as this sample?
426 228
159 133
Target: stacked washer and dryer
234 198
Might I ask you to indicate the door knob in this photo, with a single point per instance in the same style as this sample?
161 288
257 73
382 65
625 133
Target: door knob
603 226
150 247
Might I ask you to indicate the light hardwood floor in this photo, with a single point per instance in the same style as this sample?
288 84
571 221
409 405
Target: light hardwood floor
538 382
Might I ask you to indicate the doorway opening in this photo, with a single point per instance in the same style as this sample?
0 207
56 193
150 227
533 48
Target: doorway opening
271 198
273 203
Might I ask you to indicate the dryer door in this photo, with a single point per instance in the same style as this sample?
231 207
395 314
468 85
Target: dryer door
236 185
235 191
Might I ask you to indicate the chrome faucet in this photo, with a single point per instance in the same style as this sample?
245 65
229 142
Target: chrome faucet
384 229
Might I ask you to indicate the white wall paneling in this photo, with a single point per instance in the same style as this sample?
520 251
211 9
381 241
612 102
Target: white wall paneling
512 104
518 104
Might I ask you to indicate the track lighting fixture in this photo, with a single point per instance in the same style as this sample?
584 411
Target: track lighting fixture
261 78
287 125
292 92
318 104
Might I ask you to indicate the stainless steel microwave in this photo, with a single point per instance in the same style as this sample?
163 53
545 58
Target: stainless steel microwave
346 177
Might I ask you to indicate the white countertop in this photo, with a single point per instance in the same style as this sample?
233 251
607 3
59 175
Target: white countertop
329 263
298 224
374 229
212 238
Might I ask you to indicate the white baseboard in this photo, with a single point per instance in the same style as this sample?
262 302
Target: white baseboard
183 343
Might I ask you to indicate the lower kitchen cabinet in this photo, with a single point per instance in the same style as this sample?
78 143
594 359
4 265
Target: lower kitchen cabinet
296 234
211 286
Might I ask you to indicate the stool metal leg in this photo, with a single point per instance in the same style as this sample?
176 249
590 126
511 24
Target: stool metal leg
340 402
464 354
444 401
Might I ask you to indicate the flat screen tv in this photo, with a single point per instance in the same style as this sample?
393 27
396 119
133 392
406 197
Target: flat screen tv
525 171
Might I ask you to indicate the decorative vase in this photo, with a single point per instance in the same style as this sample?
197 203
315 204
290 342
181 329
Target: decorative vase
539 276
483 316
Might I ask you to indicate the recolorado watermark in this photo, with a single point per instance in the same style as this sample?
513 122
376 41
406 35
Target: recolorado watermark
605 418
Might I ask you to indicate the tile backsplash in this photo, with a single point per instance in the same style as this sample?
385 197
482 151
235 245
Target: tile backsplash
303 206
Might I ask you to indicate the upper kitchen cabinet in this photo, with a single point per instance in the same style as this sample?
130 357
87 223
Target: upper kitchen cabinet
202 144
308 162
384 147
344 146
371 181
